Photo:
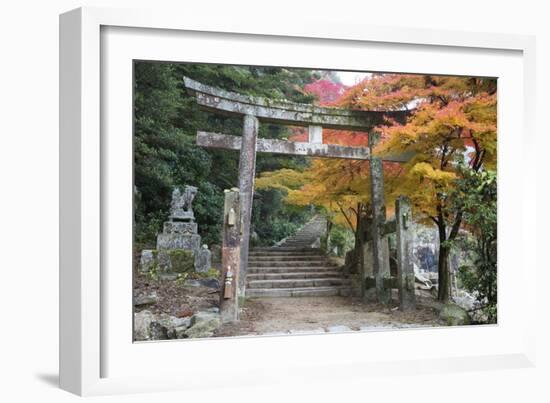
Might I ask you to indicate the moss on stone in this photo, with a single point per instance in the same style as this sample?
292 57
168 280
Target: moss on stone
182 261
454 315
211 273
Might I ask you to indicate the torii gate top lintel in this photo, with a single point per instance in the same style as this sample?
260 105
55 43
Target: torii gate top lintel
295 114
286 112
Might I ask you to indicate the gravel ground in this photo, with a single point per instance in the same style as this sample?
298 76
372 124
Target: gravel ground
318 314
275 316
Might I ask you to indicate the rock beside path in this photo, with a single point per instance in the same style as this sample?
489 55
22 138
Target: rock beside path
454 315
146 299
203 324
148 326
142 325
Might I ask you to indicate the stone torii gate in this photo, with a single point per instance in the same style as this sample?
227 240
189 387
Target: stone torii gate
254 110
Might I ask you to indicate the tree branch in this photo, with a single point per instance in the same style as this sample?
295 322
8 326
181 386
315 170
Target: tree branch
345 216
456 225
434 219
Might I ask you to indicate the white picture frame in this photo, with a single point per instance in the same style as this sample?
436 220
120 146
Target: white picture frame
90 341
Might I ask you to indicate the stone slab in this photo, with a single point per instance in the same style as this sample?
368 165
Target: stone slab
180 227
178 241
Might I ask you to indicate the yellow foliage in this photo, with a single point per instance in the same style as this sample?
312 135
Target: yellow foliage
425 171
285 179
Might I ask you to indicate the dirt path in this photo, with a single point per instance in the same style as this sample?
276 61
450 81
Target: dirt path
322 314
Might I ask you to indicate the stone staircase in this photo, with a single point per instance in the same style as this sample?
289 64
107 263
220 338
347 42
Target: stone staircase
307 236
294 268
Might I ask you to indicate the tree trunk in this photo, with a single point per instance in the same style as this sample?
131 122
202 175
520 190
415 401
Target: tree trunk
444 274
359 239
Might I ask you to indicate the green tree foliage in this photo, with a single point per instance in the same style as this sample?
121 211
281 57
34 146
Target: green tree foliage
274 219
342 238
476 193
166 120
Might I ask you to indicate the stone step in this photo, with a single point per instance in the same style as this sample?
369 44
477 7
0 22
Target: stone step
286 258
289 269
293 275
298 292
283 254
293 268
290 263
297 283
283 249
307 251
298 243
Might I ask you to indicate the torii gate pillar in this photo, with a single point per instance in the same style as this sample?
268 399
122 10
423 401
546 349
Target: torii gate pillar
381 266
247 168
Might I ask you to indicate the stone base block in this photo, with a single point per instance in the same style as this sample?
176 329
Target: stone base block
178 241
167 261
179 227
176 261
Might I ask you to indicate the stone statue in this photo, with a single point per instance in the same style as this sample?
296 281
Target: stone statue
180 233
181 207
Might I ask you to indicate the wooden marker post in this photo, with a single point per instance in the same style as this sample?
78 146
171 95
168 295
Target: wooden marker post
229 302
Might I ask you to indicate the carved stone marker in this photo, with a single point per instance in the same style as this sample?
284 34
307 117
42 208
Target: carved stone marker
405 270
203 259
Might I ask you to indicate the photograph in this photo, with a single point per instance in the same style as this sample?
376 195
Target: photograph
273 201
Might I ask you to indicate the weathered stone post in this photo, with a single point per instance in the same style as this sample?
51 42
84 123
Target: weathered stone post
247 168
315 134
366 268
381 267
229 302
405 270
